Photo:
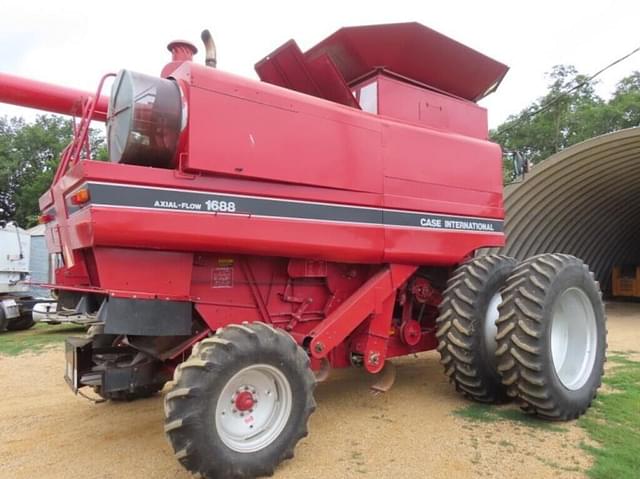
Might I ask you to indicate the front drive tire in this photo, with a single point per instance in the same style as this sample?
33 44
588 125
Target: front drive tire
466 327
552 336
240 403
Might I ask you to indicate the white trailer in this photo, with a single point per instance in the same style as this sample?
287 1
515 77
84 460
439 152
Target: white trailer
16 304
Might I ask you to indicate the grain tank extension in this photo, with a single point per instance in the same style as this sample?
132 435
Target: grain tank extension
247 237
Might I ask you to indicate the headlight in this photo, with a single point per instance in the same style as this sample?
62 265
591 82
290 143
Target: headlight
144 120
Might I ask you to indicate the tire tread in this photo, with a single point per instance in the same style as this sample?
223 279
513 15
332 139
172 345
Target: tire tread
457 327
182 403
521 352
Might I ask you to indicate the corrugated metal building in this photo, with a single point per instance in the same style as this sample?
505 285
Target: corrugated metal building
585 201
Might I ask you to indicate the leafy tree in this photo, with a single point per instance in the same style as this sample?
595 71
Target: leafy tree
29 156
569 113
626 102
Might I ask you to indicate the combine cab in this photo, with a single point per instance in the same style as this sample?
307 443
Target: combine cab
247 237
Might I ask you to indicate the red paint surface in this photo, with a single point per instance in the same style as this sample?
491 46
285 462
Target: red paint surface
323 282
45 96
244 401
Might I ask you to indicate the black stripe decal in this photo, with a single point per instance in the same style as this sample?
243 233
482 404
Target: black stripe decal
204 202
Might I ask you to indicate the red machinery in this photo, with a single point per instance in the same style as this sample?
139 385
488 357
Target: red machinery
331 201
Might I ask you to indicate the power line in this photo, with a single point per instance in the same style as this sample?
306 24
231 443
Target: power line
563 95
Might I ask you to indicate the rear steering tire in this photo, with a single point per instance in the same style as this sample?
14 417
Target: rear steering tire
240 403
552 336
466 327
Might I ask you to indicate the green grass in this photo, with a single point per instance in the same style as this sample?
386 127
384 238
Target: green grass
36 339
486 413
614 423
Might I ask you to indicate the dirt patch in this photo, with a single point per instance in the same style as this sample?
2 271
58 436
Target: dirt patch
624 328
412 431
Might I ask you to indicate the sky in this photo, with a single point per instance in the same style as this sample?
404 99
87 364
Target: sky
74 43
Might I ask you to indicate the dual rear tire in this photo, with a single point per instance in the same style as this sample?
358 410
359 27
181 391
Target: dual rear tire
467 327
533 331
552 336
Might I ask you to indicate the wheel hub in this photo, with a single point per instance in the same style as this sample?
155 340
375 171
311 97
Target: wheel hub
245 401
491 329
253 408
573 338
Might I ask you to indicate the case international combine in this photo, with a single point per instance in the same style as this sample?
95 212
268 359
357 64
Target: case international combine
246 237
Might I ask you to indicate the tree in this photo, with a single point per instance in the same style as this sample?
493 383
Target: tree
626 102
29 156
569 113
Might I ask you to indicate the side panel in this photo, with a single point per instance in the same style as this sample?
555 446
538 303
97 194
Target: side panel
435 248
169 219
232 289
228 233
146 273
398 99
441 172
287 137
431 171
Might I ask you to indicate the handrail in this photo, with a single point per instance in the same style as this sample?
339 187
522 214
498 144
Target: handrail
73 152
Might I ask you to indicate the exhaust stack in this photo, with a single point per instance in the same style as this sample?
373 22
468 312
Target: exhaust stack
211 59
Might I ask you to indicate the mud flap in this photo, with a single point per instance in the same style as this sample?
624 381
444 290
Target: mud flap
146 317
78 352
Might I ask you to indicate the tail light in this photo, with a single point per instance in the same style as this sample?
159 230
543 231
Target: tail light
45 218
80 197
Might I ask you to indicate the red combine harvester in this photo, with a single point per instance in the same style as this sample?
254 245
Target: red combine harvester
246 237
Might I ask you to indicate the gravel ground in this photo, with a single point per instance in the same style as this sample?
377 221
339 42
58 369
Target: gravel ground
411 431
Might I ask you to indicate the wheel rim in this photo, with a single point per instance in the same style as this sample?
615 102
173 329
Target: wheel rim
490 329
253 408
573 338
